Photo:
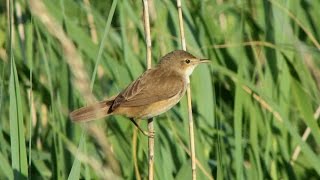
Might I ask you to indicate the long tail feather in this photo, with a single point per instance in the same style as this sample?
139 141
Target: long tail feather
91 112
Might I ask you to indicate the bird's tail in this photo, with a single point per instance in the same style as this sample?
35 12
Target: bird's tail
91 112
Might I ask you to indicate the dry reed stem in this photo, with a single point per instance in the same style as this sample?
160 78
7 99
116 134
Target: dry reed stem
266 106
201 167
182 36
206 173
315 72
191 128
147 31
248 43
134 153
316 43
150 121
278 47
308 60
191 135
92 27
263 103
81 80
305 135
151 149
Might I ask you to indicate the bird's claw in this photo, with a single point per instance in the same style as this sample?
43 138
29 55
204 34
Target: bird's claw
150 134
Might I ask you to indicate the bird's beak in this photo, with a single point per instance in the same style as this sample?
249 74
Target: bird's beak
204 61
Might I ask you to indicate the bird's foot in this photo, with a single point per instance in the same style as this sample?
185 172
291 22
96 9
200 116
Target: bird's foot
150 134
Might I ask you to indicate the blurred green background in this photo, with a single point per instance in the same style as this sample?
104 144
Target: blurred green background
251 105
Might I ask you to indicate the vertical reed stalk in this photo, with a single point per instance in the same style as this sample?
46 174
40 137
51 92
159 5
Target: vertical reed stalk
151 149
191 131
150 121
134 153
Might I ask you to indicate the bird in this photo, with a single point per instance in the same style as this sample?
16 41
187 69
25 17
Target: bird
154 92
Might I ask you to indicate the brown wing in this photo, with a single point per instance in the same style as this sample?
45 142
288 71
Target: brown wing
152 86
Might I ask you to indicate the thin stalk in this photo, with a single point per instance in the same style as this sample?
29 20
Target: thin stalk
150 121
191 129
151 149
103 40
185 148
147 31
29 91
305 135
134 153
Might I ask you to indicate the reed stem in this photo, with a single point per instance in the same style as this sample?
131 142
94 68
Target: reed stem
150 121
191 129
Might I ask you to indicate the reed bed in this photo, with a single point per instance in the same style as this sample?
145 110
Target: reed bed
255 108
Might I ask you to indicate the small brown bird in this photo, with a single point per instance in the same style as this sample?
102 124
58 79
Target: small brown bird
154 92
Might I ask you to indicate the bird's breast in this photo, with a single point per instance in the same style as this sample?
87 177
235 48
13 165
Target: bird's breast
160 107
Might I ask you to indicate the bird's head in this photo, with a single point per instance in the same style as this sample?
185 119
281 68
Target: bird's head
181 61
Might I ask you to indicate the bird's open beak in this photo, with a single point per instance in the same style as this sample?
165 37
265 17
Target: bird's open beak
204 61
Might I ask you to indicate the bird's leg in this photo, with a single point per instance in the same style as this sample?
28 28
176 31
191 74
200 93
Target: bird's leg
149 134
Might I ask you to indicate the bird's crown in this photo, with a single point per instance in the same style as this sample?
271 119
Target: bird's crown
177 55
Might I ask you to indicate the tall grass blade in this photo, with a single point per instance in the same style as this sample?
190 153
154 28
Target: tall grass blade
17 128
106 30
76 166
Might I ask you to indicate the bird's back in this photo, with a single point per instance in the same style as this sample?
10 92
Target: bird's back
154 92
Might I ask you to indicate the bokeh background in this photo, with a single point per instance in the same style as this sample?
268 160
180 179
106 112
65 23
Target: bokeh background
251 106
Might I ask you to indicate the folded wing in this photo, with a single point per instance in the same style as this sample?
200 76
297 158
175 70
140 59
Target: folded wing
151 87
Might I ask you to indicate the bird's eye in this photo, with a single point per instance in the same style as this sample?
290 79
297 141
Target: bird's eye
187 61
